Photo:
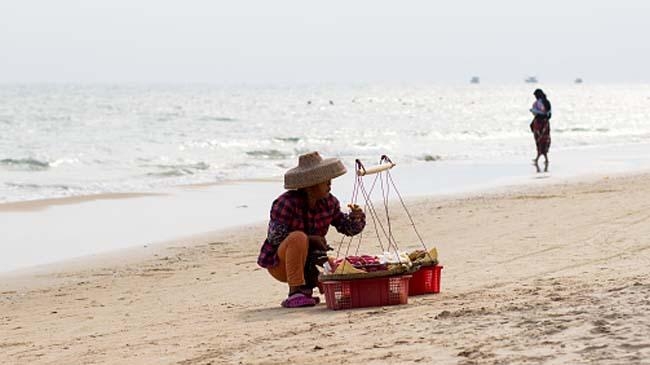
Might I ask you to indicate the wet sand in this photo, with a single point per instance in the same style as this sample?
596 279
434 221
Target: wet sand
41 204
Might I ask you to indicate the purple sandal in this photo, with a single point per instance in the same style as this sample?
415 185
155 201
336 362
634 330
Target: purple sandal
298 300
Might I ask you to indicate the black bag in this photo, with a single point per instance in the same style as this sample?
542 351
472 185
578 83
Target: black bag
315 257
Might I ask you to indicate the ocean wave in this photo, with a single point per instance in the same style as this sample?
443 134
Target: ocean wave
475 133
430 158
32 186
171 173
169 116
114 141
268 154
62 161
287 139
175 170
209 118
581 129
29 164
193 166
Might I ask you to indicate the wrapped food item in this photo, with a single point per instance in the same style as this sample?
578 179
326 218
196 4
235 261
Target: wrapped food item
394 258
422 257
367 263
346 267
416 254
433 254
363 260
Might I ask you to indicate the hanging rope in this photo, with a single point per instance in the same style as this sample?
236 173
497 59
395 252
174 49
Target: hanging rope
353 200
386 195
373 212
408 214
385 182
360 187
376 222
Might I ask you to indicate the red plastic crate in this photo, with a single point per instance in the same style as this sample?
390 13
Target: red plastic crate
425 280
372 292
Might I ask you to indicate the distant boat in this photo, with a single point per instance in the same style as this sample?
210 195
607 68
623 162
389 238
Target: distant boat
475 80
578 81
531 80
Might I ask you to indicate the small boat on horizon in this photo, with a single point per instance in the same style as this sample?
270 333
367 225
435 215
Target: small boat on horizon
531 80
475 80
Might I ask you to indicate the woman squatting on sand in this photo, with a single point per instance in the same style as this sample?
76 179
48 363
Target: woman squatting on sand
300 219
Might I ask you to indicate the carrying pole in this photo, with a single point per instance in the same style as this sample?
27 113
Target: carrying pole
386 164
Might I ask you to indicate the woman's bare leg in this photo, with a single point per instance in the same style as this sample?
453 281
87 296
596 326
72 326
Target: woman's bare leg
545 163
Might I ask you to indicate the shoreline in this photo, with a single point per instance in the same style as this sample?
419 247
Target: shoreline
548 274
249 202
41 204
616 158
134 253
51 230
44 203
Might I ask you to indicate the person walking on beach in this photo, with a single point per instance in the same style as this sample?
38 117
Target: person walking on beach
299 221
541 127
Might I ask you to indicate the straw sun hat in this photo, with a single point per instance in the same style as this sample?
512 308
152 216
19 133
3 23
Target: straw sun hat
312 170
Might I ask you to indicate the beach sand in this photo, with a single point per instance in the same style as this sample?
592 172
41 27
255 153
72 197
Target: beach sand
554 274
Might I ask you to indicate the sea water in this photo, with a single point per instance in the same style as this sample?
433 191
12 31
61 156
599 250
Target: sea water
217 154
66 140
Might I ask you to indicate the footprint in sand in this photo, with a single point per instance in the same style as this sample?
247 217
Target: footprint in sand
600 326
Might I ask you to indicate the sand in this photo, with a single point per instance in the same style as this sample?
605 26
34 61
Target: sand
554 275
36 205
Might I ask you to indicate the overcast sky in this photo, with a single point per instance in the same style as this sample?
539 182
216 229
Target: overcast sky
246 41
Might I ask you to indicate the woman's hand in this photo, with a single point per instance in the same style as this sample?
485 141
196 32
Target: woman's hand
356 213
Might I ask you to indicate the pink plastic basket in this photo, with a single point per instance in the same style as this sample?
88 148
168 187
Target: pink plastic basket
426 280
372 292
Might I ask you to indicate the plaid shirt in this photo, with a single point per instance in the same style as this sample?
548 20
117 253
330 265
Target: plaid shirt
287 215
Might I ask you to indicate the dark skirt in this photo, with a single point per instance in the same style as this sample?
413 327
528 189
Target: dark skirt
541 129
